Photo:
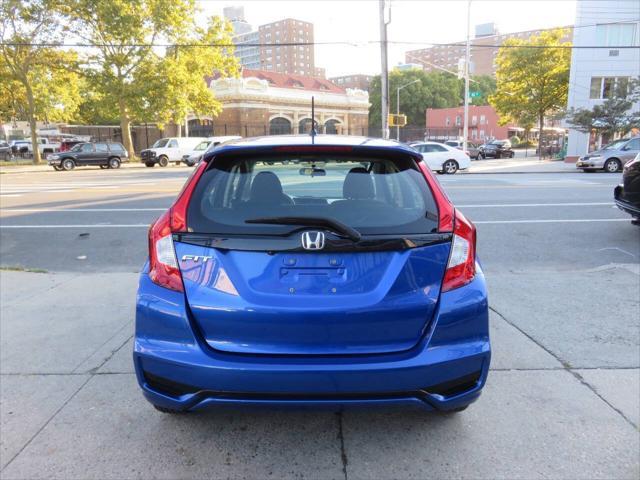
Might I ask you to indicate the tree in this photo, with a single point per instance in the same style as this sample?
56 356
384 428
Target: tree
613 116
183 89
36 82
141 79
532 78
434 90
485 84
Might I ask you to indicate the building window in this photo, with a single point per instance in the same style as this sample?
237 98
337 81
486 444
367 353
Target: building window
614 34
447 121
608 87
279 126
483 120
474 120
481 133
458 120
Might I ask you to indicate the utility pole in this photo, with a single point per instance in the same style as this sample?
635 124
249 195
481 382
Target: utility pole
465 134
385 19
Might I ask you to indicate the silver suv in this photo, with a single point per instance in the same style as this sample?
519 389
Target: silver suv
612 157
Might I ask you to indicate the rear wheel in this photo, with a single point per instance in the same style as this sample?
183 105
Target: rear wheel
168 410
512 154
450 167
163 161
149 164
612 165
114 162
68 164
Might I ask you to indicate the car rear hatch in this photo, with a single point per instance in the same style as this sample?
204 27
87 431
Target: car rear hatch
312 254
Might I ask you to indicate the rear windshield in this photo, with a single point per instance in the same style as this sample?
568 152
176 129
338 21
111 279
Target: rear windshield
373 195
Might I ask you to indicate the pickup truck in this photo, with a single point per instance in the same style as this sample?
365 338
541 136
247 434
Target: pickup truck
45 146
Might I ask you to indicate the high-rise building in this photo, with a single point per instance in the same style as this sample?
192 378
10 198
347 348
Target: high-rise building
285 46
359 81
482 61
287 58
597 75
235 15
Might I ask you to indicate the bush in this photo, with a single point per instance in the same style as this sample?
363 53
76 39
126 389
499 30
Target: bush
515 141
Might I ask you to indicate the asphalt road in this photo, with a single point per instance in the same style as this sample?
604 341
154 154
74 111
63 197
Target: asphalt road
561 401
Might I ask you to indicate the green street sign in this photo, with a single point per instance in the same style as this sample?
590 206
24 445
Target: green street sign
474 94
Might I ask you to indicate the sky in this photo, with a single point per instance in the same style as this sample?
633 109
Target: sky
416 22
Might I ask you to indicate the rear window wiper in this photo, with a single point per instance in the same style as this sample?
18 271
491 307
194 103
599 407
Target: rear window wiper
317 222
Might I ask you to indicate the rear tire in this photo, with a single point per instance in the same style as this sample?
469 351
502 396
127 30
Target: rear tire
450 167
114 162
612 165
163 161
171 411
150 164
68 164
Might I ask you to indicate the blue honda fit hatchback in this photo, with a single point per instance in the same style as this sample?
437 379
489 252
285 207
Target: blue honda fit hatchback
312 272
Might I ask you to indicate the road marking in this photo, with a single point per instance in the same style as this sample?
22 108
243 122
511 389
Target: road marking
10 194
499 205
43 210
559 220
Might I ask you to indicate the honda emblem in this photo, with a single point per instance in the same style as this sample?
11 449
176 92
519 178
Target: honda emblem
313 240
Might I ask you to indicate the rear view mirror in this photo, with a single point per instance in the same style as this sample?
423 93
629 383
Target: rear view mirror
312 172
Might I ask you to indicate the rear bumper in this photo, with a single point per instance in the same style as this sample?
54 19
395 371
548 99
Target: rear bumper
445 370
623 204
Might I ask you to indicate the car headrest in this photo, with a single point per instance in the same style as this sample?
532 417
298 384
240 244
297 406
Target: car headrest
358 185
266 187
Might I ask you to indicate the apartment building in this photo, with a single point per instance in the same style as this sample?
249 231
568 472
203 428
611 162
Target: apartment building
599 74
357 80
293 59
482 61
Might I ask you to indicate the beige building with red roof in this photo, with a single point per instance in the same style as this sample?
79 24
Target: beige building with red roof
270 103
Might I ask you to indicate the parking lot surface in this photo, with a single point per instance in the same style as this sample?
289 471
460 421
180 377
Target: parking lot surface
561 401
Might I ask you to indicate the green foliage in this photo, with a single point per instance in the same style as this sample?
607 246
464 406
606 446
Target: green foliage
36 83
532 82
515 140
139 82
434 90
613 116
485 84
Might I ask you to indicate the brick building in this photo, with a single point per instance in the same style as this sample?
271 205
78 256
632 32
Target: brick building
443 123
482 60
356 80
270 103
287 58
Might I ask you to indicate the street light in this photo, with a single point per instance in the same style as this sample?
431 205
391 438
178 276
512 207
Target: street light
398 104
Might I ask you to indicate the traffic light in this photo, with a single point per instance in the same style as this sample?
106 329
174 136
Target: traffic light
397 120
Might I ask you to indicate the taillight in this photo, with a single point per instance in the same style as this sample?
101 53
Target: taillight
461 267
445 208
163 265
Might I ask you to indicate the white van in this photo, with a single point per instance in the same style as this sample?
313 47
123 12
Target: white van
170 149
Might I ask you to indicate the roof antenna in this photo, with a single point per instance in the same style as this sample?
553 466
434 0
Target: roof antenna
313 132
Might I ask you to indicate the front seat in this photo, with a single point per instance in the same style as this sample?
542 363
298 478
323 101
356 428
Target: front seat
266 189
358 185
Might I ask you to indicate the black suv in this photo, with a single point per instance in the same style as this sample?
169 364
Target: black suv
103 154
496 149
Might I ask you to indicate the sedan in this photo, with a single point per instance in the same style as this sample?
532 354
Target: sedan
496 149
312 272
627 195
442 158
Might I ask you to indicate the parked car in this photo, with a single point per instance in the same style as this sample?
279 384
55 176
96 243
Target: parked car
20 147
263 290
192 158
627 194
168 150
442 158
5 151
496 149
102 154
611 157
45 146
472 148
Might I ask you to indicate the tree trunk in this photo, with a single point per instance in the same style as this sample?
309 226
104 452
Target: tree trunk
37 159
541 134
125 128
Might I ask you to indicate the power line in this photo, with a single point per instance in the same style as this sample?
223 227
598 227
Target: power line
302 44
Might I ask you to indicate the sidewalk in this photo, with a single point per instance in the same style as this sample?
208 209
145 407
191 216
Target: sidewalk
46 168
